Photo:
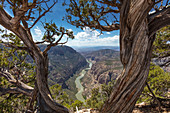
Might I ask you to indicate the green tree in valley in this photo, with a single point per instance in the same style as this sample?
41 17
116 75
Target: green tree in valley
95 101
77 103
61 97
99 95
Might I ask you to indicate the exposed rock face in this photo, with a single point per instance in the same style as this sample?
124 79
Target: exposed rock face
106 67
162 61
101 55
63 63
103 73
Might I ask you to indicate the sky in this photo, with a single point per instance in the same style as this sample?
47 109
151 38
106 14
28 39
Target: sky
85 37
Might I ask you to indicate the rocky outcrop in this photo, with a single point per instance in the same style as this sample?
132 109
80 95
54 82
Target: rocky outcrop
101 55
64 61
106 67
163 63
103 73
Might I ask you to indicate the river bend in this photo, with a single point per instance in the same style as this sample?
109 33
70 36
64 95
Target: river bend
79 86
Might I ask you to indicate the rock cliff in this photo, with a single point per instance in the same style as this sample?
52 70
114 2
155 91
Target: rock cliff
64 61
106 67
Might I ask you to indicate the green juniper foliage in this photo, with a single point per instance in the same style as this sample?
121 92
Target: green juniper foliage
99 95
159 82
161 47
15 62
61 97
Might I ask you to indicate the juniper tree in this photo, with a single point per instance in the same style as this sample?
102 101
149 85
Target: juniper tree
16 76
25 15
138 21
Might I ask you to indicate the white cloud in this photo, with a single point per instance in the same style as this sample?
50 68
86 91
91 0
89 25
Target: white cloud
38 32
108 33
107 41
93 38
69 29
87 34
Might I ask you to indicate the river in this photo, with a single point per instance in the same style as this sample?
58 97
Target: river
80 88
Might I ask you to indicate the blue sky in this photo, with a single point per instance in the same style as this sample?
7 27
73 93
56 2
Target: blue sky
85 37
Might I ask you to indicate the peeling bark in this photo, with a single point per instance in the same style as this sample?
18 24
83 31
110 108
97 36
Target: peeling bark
135 51
46 102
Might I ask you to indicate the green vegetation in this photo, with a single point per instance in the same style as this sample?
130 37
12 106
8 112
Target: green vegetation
159 82
77 103
63 98
161 45
10 103
99 95
60 96
14 61
108 62
72 90
63 63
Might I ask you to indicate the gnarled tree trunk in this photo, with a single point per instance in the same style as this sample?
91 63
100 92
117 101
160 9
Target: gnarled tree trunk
47 104
135 52
44 96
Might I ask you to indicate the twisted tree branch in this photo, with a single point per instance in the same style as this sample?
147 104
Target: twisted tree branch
20 87
14 46
43 14
15 82
13 90
158 20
